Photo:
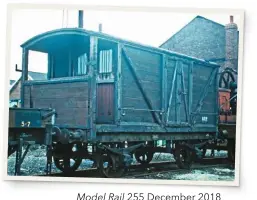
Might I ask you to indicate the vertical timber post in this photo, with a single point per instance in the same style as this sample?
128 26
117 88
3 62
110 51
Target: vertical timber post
49 152
190 91
24 76
184 93
70 64
118 86
178 93
49 71
163 88
18 157
171 91
93 87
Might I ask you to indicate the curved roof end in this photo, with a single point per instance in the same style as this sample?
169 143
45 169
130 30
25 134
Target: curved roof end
49 34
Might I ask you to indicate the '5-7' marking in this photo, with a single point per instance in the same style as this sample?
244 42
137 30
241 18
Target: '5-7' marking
25 124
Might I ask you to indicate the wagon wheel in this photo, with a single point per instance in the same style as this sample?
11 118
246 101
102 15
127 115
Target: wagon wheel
226 78
65 164
106 167
143 157
64 160
183 157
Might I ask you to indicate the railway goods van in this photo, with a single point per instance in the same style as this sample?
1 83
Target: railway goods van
118 90
115 92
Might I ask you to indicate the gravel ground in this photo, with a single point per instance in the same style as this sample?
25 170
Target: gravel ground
35 162
215 174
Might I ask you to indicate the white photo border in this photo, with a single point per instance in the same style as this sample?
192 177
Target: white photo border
17 6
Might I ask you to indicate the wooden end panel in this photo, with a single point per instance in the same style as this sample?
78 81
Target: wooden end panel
70 100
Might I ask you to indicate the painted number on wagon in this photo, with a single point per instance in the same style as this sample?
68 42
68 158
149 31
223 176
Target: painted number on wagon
25 124
207 196
204 119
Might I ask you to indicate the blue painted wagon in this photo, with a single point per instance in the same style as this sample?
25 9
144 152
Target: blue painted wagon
114 98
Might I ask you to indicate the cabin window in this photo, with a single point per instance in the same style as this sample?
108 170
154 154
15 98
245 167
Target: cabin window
105 64
82 65
37 61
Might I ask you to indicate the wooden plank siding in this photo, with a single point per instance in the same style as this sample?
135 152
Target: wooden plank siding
145 93
70 100
200 76
141 83
165 90
93 57
150 90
